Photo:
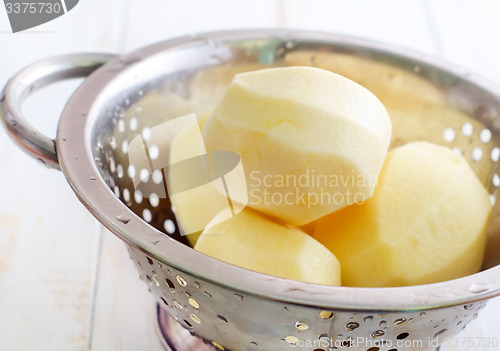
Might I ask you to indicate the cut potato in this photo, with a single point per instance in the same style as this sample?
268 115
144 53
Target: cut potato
253 241
310 141
192 209
196 206
426 222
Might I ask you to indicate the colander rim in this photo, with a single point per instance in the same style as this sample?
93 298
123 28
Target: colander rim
76 161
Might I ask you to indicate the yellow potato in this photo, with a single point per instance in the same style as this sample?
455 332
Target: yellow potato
310 141
425 223
253 241
196 206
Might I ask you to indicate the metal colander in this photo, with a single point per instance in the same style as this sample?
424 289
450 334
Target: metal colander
227 307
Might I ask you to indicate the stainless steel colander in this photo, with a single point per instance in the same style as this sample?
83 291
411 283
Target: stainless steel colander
227 307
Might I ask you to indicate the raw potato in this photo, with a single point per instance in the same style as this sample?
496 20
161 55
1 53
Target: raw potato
251 240
426 222
192 210
196 207
311 141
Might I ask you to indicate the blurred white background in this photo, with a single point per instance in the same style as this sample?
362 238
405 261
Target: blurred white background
65 282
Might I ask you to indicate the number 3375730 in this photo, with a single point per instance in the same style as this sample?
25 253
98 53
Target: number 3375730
33 7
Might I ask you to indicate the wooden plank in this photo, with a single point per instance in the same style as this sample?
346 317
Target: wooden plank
48 258
49 243
124 308
401 23
168 19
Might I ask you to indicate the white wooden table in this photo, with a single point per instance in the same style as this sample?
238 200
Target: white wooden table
65 282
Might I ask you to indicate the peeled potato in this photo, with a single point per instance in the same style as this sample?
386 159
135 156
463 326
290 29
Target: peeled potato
310 141
196 206
425 223
192 209
253 241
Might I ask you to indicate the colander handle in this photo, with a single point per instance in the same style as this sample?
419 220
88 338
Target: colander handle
29 80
